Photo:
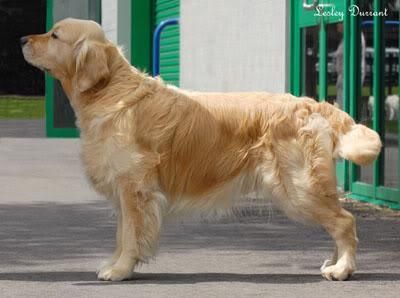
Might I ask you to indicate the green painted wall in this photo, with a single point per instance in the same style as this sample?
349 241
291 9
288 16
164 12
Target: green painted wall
142 32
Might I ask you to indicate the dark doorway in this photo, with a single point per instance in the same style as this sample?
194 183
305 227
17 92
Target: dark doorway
21 85
19 18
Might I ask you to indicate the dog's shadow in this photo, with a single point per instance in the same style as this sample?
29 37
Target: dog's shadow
89 278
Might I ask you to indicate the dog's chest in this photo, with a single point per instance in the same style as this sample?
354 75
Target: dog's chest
107 160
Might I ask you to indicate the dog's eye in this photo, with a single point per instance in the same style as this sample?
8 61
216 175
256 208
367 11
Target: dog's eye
53 35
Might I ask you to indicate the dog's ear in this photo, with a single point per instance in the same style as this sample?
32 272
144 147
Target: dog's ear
91 64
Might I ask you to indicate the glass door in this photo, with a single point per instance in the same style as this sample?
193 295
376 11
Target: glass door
317 60
340 56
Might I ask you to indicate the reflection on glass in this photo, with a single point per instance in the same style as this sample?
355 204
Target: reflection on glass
391 104
335 63
334 70
391 152
364 110
310 62
338 45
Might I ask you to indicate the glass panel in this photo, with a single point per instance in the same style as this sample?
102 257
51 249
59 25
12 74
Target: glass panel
334 71
365 104
335 63
391 100
310 62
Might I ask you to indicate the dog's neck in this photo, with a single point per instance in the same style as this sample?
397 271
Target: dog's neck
124 87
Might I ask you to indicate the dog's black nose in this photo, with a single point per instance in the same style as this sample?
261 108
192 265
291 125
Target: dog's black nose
23 40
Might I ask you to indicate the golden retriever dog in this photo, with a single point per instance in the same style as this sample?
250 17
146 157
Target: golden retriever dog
154 150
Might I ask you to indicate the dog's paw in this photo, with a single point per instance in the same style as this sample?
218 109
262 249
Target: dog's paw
113 273
327 263
336 272
105 264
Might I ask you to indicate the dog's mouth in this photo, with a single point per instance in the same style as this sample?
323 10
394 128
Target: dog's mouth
28 58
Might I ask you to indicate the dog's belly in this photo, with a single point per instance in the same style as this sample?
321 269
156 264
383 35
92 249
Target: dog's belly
221 198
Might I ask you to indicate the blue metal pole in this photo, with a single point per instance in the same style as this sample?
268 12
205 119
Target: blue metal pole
156 43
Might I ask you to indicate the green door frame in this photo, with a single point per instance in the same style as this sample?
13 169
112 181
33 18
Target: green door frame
348 173
141 22
51 131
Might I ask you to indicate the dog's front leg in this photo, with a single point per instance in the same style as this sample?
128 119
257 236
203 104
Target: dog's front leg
126 251
118 246
141 215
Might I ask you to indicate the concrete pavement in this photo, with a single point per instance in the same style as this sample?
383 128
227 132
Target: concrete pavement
22 128
54 231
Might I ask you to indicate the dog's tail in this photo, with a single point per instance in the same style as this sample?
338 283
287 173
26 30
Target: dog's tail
354 142
360 144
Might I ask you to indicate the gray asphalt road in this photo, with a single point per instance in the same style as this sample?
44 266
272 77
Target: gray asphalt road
54 231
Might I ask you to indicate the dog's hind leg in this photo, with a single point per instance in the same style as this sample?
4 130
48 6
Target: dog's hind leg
324 207
326 211
141 217
304 186
340 224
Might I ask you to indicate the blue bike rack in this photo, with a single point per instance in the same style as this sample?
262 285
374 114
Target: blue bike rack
156 43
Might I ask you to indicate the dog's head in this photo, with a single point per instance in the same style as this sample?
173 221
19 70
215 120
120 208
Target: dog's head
73 50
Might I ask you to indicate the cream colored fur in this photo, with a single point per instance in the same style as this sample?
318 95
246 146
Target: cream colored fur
156 150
